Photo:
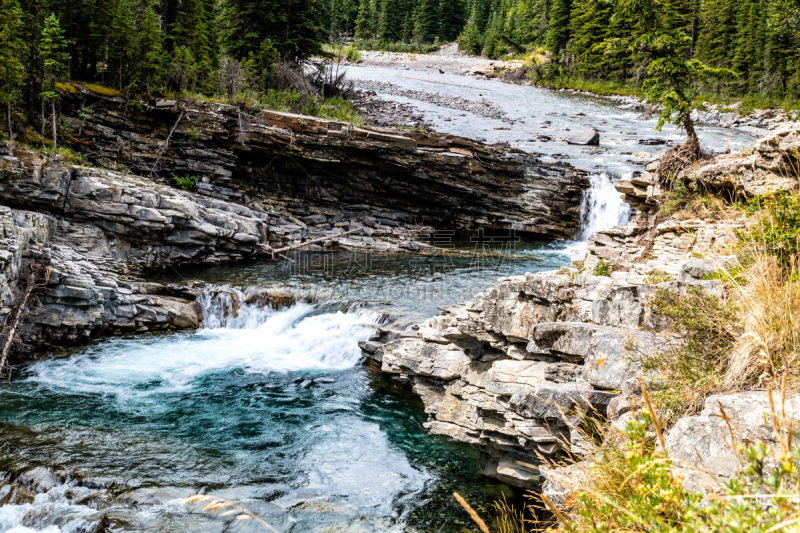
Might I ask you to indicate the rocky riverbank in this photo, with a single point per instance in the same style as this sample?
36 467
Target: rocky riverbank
256 183
289 165
513 371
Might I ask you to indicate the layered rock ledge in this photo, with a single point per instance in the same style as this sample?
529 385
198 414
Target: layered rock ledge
300 166
101 232
514 370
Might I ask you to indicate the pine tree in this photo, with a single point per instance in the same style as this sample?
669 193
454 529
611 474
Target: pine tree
54 65
715 42
149 48
12 71
191 37
470 40
388 24
590 20
490 43
363 19
668 74
427 23
296 28
452 18
558 26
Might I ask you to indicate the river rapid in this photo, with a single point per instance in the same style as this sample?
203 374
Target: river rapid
274 408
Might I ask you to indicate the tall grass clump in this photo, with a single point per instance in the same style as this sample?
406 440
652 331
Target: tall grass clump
769 296
632 485
748 339
694 368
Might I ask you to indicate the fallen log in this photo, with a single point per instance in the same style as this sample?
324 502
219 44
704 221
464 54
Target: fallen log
278 251
18 311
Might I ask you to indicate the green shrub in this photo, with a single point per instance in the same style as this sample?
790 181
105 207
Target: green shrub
351 53
695 368
630 486
186 182
603 268
72 157
777 230
656 276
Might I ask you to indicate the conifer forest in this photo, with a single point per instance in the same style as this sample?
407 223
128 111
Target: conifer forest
223 46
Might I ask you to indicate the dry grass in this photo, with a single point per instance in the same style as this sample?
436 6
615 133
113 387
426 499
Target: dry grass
630 485
769 346
505 519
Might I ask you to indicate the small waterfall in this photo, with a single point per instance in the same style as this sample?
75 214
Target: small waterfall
601 206
227 307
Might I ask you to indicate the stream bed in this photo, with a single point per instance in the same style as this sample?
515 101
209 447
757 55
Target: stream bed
274 408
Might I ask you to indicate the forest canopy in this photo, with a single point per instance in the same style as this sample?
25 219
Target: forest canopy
226 46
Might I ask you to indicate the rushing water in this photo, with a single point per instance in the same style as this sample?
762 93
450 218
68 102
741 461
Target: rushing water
272 407
532 113
268 407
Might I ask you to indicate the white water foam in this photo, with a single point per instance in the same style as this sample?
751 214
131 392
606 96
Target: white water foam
235 336
601 206
50 512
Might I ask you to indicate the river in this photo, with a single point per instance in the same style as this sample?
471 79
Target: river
273 408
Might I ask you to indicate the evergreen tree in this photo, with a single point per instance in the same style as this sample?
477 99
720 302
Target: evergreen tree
54 65
558 26
363 19
470 39
295 28
590 20
12 71
388 24
669 74
716 40
452 19
149 48
427 24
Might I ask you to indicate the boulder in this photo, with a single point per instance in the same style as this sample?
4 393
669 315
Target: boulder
563 402
704 442
587 137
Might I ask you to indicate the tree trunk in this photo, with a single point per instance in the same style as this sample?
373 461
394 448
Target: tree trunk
55 144
10 131
43 125
688 125
13 321
70 44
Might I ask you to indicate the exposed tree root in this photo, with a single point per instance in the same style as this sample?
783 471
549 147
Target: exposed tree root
679 157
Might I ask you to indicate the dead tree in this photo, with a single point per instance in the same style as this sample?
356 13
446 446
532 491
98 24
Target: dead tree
37 279
278 251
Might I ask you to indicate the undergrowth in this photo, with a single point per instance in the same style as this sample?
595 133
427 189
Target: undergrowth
401 47
289 100
186 182
696 367
631 485
603 268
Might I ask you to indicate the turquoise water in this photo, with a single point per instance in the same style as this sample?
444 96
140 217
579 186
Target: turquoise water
271 408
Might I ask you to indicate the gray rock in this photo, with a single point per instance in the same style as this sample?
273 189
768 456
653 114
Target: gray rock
616 354
561 372
699 269
564 402
588 137
704 441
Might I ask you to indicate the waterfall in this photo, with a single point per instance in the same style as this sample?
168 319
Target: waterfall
601 206
227 307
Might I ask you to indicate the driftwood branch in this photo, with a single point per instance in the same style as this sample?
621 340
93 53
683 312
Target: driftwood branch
166 143
18 311
278 251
